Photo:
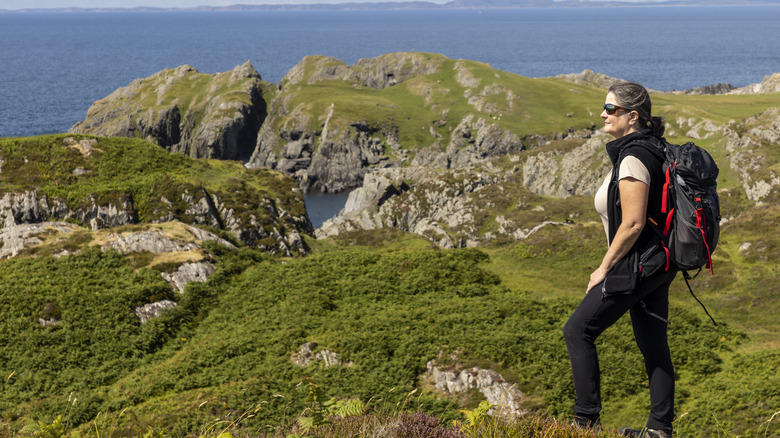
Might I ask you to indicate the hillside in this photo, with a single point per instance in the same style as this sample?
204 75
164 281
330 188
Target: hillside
463 250
98 183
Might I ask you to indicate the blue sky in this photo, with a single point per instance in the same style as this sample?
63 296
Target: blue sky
35 4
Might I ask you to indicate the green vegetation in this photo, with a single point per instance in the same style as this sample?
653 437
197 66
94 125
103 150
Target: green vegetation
76 361
182 90
227 347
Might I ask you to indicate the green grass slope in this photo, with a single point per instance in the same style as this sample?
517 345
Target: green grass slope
228 348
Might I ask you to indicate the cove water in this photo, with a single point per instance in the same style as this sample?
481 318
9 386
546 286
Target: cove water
53 66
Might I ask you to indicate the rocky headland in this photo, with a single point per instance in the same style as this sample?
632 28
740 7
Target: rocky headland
448 149
183 110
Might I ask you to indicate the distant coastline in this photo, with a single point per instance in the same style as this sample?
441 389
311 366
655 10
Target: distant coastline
391 5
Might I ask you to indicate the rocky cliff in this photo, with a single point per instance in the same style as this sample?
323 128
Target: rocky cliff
183 110
327 123
331 123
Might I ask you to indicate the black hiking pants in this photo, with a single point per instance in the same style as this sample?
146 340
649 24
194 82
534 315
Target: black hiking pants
594 315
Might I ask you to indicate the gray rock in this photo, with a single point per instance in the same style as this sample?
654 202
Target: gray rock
33 207
15 238
711 89
590 78
153 310
561 175
748 155
504 395
188 272
307 355
152 241
770 84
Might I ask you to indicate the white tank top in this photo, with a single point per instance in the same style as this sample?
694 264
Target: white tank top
630 167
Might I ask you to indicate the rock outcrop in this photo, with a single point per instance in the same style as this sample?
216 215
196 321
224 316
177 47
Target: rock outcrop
182 110
577 172
751 146
310 353
456 379
33 206
770 84
448 207
590 78
153 310
260 208
189 272
16 238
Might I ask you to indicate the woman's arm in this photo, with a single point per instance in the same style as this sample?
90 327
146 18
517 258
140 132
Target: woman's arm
633 205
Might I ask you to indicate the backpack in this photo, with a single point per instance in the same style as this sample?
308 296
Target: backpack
690 201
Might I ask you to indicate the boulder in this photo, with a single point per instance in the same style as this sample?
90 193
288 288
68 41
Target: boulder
506 398
153 310
189 272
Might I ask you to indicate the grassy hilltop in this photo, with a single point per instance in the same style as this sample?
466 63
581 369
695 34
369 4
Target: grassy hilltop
374 315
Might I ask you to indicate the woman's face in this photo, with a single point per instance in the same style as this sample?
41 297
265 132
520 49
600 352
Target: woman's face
622 122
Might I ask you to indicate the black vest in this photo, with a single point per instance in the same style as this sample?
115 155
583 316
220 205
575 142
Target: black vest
636 144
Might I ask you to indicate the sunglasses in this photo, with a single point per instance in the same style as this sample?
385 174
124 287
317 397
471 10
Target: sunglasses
612 108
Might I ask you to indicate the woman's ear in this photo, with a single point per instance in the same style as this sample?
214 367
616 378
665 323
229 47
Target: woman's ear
634 118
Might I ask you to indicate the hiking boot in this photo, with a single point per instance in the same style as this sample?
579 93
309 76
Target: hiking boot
586 424
644 433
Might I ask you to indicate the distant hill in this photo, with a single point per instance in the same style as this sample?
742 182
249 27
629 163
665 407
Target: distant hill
455 4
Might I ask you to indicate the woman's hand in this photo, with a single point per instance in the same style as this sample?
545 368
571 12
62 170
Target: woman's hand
596 278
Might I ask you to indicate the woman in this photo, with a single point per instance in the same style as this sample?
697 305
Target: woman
625 203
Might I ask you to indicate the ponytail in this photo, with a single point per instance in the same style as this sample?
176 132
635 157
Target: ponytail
655 126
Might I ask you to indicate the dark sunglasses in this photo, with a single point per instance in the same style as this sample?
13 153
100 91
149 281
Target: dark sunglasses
612 108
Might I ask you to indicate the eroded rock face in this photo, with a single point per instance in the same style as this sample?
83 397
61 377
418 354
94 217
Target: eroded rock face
182 110
455 379
579 172
331 150
770 84
15 238
749 154
33 206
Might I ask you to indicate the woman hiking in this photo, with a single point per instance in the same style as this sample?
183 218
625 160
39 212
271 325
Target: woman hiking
629 197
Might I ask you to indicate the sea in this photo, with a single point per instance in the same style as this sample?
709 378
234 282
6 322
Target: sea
53 66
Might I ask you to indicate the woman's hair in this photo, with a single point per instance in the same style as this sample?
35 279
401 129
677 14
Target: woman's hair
635 97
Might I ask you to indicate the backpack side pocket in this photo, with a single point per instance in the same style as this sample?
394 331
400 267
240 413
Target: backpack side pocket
653 258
